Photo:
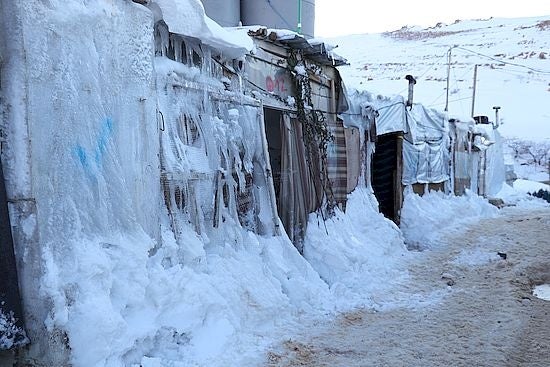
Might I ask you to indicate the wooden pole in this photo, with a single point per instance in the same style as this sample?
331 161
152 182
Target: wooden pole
448 77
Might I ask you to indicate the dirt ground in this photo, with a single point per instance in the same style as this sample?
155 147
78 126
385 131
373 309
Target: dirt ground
486 316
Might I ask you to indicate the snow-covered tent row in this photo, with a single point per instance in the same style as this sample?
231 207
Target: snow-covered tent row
408 146
135 172
302 93
478 159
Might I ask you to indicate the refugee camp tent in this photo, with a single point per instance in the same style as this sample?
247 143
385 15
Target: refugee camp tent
215 169
478 159
302 94
409 147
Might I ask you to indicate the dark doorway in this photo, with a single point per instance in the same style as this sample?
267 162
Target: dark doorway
386 174
272 119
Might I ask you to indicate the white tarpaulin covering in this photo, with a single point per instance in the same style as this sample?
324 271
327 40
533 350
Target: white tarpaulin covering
426 133
425 148
391 112
488 140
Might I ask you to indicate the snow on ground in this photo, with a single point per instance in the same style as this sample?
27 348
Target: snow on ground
481 311
528 186
358 254
116 287
531 172
424 219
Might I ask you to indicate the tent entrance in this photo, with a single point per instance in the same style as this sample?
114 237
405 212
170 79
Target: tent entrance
272 119
387 162
297 184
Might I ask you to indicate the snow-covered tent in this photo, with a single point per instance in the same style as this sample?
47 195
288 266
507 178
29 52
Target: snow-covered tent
138 180
478 159
412 146
302 93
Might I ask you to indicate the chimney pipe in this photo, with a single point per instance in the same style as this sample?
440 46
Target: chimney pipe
497 122
412 82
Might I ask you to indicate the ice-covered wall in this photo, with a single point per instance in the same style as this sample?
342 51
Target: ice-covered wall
126 172
79 117
109 276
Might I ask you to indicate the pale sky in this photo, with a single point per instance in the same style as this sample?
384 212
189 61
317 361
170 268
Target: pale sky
342 17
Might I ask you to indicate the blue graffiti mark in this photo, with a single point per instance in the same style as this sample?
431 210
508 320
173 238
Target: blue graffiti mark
103 139
82 157
100 147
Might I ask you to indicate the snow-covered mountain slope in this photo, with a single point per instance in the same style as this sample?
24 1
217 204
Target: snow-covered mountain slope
513 58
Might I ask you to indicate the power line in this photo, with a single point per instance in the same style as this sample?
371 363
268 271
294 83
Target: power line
445 91
431 67
503 61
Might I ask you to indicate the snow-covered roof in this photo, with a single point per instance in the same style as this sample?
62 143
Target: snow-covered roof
187 17
314 49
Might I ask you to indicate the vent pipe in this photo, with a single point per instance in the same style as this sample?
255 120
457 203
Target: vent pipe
412 82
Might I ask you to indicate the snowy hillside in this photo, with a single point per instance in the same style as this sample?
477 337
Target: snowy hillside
514 68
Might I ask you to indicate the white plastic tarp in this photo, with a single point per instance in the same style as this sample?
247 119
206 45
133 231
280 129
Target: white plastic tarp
495 172
425 149
392 116
426 132
391 112
424 162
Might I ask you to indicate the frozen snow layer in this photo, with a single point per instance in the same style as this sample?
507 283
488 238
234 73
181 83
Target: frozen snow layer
359 253
530 186
187 17
424 218
519 197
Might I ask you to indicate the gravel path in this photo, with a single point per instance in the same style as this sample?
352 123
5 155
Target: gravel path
485 314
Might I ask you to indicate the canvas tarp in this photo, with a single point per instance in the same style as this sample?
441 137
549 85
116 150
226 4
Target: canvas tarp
300 187
337 161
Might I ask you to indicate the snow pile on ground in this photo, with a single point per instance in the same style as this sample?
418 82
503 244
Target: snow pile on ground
424 217
519 194
359 253
119 305
528 186
532 172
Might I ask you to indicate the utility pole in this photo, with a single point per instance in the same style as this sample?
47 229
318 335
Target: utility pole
299 27
448 77
474 91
